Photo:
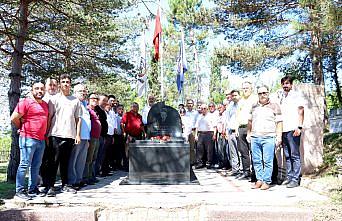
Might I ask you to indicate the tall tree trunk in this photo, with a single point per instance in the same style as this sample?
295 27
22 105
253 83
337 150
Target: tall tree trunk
14 91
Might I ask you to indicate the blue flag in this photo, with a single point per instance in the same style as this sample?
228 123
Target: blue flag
182 65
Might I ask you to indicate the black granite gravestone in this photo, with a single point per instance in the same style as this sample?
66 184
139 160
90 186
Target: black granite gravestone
158 161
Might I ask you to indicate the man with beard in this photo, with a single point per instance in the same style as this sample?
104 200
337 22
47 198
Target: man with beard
292 107
31 117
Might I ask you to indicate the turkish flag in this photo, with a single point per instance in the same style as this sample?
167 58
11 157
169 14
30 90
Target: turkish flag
157 36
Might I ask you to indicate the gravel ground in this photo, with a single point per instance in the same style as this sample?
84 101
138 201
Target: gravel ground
330 186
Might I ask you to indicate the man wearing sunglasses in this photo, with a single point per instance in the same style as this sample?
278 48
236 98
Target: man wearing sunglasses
264 132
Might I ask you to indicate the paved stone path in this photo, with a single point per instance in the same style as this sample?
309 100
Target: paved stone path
216 195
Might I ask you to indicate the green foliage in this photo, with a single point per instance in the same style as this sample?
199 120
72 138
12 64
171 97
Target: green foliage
191 13
332 101
113 84
332 149
81 38
250 56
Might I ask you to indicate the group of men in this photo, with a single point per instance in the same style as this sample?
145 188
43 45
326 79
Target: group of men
84 135
244 132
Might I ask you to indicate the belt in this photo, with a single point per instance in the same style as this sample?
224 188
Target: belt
243 126
205 132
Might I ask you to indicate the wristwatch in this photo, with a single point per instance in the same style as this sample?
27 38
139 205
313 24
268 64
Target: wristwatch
300 127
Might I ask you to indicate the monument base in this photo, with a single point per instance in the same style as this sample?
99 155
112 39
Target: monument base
159 163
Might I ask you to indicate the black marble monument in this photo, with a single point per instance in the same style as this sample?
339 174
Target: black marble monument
158 161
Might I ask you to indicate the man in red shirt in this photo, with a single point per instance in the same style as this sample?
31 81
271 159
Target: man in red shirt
31 117
132 124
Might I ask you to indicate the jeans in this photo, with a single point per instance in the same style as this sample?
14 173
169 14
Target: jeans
31 154
77 162
262 155
232 152
291 146
90 160
221 150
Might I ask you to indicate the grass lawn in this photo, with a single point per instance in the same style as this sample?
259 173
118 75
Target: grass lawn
7 190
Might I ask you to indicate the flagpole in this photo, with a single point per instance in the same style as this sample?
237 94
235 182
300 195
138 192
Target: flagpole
161 71
161 61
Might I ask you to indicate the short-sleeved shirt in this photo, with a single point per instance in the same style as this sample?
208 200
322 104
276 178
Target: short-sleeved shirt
289 107
264 119
245 106
95 124
206 122
64 111
35 117
193 115
86 123
133 123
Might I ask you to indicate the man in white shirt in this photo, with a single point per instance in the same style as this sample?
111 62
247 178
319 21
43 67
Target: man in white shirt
292 107
245 105
144 113
205 136
192 115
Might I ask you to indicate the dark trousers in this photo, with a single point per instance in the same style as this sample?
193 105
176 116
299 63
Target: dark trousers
205 144
244 149
99 157
108 154
56 154
221 151
291 146
120 158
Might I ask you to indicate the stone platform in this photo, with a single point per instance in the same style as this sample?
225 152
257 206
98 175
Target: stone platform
216 197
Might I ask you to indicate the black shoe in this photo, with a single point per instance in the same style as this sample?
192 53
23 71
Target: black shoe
234 174
285 182
292 184
76 187
68 189
199 166
210 166
51 192
82 184
244 176
35 193
22 194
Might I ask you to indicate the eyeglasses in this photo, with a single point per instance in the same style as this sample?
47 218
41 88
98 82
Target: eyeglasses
211 106
65 81
263 93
